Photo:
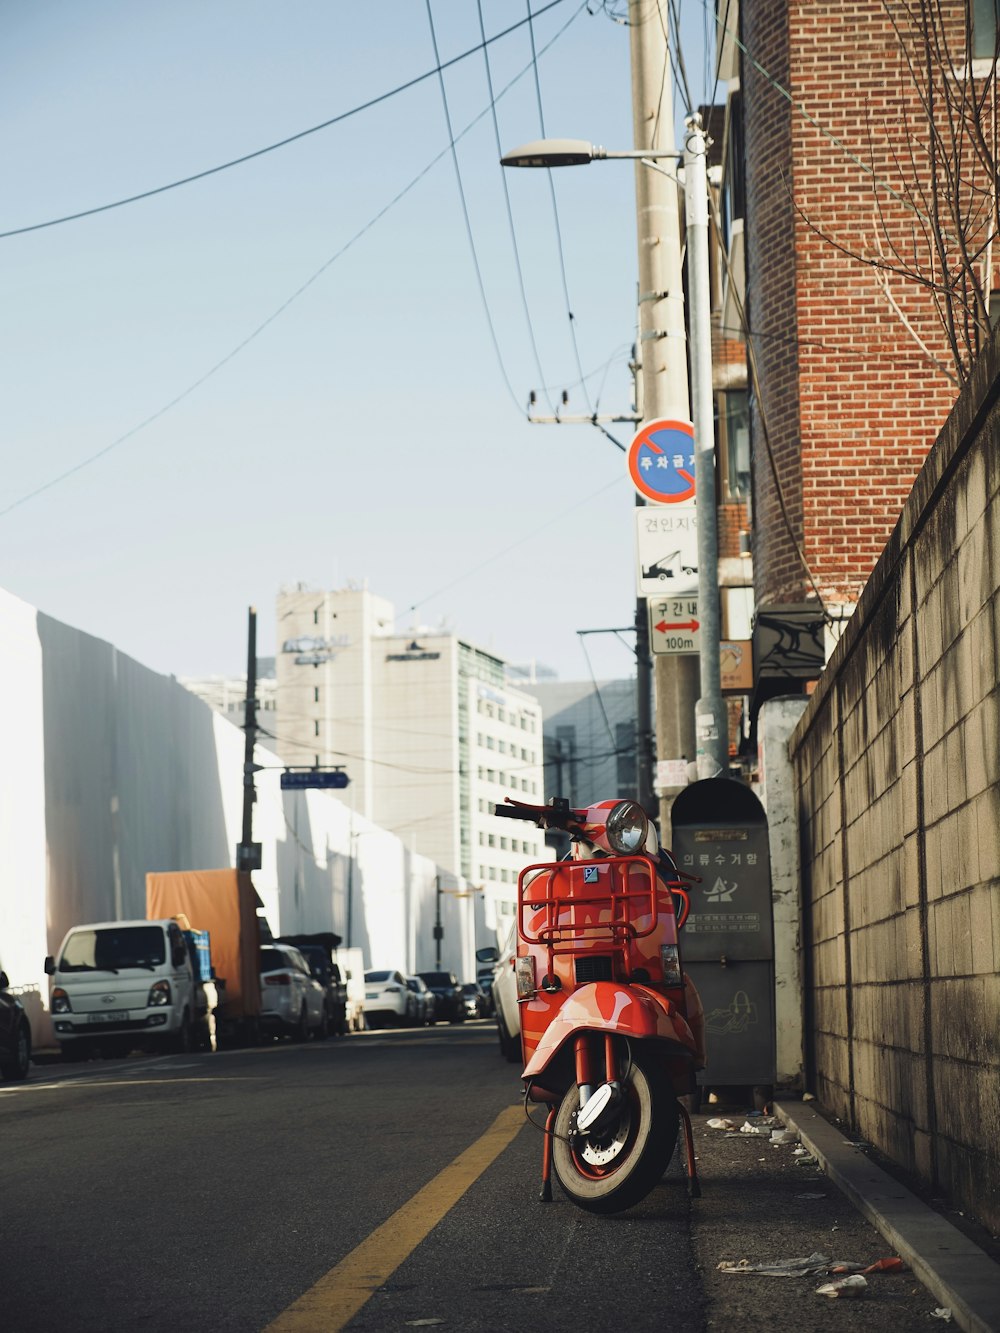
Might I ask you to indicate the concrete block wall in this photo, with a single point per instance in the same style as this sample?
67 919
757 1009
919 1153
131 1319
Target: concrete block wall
897 764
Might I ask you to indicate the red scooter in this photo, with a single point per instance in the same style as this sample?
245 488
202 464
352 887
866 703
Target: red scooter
612 1031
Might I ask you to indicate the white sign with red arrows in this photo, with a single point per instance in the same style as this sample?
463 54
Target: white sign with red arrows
673 625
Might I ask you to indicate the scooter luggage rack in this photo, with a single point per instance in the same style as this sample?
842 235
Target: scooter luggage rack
562 936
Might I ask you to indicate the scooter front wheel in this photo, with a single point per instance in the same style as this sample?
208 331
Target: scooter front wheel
612 1170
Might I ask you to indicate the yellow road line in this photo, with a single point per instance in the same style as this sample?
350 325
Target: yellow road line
339 1295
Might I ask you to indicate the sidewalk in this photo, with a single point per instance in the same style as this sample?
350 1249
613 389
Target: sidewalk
963 1278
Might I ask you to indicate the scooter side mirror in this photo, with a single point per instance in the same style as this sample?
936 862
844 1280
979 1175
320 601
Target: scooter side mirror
488 955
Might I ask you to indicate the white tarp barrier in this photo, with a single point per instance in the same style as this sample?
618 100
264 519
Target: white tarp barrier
111 770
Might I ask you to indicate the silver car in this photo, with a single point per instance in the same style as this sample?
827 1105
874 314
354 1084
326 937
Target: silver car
504 995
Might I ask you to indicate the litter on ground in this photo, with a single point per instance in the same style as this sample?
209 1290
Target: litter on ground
855 1285
815 1265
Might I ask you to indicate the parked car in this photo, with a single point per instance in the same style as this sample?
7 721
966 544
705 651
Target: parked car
388 999
292 1001
484 977
474 1000
504 991
450 1004
327 973
15 1034
426 1001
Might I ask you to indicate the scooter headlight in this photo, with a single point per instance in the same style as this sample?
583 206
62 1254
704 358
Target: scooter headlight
627 828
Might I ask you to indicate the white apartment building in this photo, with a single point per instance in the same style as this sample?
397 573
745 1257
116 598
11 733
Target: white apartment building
428 730
228 694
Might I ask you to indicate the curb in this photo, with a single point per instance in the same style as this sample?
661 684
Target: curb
961 1275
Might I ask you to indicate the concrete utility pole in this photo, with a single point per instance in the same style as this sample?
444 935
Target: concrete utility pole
711 718
248 852
663 345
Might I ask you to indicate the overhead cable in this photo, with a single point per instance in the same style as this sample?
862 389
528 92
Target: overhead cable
468 220
224 361
280 143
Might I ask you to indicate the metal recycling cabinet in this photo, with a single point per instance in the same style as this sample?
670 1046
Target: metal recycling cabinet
727 945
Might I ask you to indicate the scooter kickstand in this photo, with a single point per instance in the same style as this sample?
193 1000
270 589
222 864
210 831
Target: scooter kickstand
546 1192
694 1186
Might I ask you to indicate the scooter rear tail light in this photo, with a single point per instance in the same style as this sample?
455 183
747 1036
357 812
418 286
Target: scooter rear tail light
279 979
524 972
671 960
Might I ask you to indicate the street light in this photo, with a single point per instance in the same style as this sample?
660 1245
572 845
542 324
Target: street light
711 727
571 153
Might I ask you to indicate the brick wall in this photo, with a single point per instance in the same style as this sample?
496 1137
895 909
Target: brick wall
770 302
850 402
898 768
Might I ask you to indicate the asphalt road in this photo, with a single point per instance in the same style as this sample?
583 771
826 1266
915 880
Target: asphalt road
384 1181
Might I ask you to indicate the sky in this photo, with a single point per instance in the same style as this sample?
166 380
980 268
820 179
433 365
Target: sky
298 369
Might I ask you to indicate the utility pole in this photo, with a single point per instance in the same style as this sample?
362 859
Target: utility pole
248 851
662 340
438 931
711 717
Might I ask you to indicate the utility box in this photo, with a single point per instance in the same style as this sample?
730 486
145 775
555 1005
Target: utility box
727 945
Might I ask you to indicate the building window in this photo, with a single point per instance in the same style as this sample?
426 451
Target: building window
733 178
738 444
504 845
316 616
316 725
315 694
985 21
490 743
493 841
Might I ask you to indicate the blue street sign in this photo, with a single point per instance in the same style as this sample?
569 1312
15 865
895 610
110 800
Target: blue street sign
661 461
314 777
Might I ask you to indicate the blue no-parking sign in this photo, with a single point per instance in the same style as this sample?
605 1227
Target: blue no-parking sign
661 461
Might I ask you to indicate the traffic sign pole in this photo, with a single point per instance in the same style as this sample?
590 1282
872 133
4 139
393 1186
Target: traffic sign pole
711 719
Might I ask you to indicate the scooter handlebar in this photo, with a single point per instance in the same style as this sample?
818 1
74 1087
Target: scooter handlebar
558 814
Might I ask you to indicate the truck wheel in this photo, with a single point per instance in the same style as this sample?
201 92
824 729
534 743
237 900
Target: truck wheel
16 1067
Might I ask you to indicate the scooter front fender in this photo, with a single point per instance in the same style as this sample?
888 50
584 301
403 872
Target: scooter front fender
609 1006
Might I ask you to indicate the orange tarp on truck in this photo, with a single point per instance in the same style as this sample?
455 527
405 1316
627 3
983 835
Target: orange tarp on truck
223 903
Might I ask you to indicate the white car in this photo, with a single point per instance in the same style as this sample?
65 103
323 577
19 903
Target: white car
504 994
388 999
292 1002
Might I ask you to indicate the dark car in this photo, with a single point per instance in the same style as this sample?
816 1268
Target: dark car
316 950
450 1000
426 1001
15 1034
474 998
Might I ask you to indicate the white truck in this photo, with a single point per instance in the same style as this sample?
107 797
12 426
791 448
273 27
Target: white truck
117 985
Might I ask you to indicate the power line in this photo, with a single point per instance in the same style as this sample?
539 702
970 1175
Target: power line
468 220
224 361
513 546
555 215
510 211
281 143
